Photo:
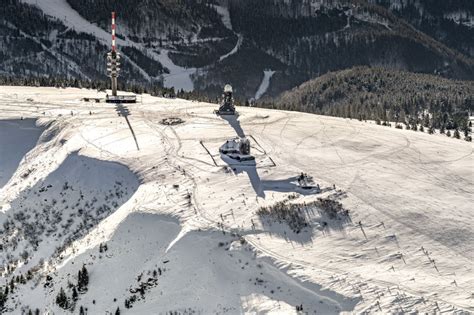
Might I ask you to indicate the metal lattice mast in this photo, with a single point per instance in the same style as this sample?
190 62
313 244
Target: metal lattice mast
113 60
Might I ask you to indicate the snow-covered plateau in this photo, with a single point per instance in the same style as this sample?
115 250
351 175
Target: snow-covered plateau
163 223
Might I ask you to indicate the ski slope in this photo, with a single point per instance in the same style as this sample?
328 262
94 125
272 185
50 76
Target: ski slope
174 205
262 89
225 15
178 77
240 39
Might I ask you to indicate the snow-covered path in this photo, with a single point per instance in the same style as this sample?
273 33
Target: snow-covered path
406 249
262 89
225 16
234 50
226 20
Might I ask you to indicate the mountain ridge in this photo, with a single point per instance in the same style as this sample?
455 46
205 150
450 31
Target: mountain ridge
199 35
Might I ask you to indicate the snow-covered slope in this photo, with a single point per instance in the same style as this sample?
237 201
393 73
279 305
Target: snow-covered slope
182 229
267 75
12 149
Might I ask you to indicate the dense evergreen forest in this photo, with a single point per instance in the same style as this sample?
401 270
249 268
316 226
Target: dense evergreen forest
340 35
385 96
151 21
445 20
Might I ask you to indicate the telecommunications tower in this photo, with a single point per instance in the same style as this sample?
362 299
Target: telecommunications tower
113 60
113 69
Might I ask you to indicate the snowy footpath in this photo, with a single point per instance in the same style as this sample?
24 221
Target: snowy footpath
163 223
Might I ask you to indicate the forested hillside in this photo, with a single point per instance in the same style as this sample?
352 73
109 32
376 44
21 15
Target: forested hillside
207 44
449 21
384 95
314 40
155 22
35 45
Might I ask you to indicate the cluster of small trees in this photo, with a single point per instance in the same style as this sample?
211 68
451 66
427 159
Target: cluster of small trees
11 286
427 126
296 215
62 299
284 212
143 285
333 209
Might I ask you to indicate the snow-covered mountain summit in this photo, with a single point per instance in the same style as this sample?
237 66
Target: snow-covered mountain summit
116 207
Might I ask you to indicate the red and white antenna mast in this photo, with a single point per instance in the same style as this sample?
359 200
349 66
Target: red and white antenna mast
113 31
113 57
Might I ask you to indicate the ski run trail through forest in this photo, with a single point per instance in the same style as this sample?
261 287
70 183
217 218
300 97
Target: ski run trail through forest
178 77
181 224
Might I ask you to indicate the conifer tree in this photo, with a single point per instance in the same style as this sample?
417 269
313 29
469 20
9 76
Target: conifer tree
3 299
74 294
82 279
61 299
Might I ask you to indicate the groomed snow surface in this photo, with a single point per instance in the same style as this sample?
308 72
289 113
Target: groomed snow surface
180 221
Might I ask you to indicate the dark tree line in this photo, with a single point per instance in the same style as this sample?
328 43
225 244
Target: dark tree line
385 96
62 82
430 16
314 42
147 20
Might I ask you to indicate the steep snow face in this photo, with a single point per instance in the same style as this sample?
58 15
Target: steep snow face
404 247
262 89
17 137
204 272
63 207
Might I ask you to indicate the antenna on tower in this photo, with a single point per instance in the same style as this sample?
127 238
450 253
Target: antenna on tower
113 60
113 69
